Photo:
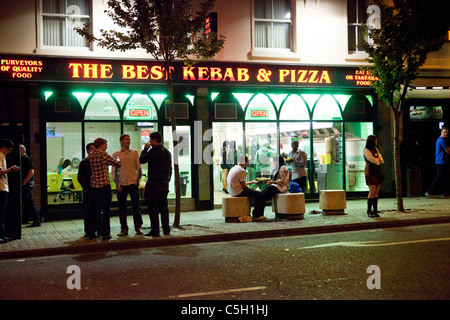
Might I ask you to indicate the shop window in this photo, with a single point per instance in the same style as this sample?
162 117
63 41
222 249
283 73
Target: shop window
82 98
102 107
140 107
260 108
228 146
243 98
294 108
64 152
58 20
183 149
328 155
261 139
355 140
327 109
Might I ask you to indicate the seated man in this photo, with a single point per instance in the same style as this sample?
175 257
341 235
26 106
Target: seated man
238 187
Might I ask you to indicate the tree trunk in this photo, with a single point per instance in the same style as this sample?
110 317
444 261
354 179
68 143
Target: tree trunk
176 222
397 166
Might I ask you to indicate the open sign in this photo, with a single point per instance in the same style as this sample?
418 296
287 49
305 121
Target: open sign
259 113
139 113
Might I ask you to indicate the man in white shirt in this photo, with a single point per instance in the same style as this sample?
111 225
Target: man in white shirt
6 147
127 179
238 187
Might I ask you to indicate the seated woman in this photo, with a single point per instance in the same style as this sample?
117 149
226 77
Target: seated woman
278 183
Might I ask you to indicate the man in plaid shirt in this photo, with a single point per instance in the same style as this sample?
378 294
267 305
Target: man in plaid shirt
100 196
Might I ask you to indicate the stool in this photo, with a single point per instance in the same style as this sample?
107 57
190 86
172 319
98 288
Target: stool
235 207
289 205
332 202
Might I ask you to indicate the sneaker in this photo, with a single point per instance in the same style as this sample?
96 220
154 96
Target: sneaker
262 218
123 233
139 232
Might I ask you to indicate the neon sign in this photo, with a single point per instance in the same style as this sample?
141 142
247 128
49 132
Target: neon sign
259 113
139 112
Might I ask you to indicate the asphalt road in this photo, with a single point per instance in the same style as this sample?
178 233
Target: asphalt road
392 264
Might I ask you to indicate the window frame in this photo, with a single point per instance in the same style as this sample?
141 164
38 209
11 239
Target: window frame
40 34
283 54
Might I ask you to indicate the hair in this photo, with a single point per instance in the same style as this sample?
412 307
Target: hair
242 159
8 144
22 147
88 146
156 135
66 163
122 137
443 129
370 142
275 171
99 142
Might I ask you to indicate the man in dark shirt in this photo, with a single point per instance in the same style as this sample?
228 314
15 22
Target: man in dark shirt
84 178
29 206
159 162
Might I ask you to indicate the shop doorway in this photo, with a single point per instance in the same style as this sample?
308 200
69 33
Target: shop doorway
228 144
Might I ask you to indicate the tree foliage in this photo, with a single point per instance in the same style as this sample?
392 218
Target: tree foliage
410 30
167 30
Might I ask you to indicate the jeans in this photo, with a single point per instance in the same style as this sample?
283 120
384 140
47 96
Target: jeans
100 199
440 184
157 203
260 203
253 194
29 206
133 191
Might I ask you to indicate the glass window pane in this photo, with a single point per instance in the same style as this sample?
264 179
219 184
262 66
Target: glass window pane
54 31
327 147
102 107
294 108
281 35
228 146
263 35
262 145
260 108
282 9
140 107
355 140
327 109
351 11
263 9
184 159
64 152
53 6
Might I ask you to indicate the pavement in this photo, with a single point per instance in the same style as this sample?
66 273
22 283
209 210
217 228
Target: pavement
66 237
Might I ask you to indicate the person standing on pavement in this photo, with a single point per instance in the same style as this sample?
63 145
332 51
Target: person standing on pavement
99 162
6 147
84 178
29 206
127 179
373 173
298 162
238 187
440 186
159 161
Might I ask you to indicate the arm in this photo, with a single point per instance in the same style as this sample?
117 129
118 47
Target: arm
9 170
144 158
368 155
28 177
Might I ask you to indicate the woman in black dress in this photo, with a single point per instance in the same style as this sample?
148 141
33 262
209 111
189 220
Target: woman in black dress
373 173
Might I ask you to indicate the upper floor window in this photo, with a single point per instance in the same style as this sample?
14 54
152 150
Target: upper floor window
356 16
273 24
59 18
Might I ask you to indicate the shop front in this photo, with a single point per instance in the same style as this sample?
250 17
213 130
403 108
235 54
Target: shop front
250 109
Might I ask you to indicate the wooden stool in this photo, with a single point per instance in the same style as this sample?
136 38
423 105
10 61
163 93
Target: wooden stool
332 202
235 207
289 205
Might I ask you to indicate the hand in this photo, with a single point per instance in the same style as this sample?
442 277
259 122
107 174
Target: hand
119 188
147 145
14 168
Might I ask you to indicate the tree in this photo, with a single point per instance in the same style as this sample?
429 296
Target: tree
409 30
167 30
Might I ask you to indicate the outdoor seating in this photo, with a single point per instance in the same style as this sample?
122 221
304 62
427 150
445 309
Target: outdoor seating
289 205
234 208
332 202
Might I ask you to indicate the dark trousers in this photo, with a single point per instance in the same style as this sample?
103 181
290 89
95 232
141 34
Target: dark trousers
157 203
301 182
440 184
3 206
260 204
252 194
30 210
133 191
99 200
